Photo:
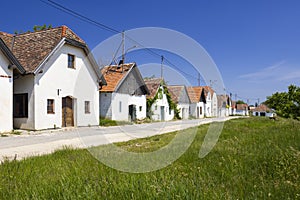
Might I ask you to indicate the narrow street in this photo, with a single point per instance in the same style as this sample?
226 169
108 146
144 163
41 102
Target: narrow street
45 142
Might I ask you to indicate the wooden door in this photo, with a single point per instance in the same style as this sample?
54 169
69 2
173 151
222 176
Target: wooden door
67 112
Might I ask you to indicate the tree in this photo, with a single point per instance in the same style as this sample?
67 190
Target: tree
286 104
240 102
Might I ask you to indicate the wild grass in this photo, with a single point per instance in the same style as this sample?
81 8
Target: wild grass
255 158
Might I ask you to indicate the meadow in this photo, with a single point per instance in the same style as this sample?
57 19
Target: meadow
255 158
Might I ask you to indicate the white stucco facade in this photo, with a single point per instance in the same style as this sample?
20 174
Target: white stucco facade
214 105
207 106
6 96
160 108
197 110
115 106
56 81
183 110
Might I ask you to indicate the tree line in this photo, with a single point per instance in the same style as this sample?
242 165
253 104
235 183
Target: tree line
286 104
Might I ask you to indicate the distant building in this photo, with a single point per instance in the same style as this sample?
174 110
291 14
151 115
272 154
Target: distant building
263 110
160 109
180 96
124 96
198 101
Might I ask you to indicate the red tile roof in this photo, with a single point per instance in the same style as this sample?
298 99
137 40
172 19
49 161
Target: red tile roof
194 93
33 47
175 92
153 84
114 74
242 106
262 108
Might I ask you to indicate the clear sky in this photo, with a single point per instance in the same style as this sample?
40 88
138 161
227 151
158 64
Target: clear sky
255 44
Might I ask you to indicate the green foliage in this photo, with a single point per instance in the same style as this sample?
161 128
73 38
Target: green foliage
255 158
35 29
159 95
40 28
286 104
240 102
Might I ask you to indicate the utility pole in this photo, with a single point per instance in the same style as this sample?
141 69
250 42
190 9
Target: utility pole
123 49
161 67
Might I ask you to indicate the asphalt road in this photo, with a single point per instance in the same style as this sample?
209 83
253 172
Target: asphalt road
45 142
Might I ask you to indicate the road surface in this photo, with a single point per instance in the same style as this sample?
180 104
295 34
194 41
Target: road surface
45 142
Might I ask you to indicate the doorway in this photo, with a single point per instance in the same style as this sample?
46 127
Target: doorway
162 113
67 112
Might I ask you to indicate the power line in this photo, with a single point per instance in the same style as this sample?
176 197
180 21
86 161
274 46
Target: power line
110 29
79 16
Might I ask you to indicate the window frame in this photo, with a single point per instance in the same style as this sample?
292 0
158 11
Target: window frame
51 106
87 107
71 66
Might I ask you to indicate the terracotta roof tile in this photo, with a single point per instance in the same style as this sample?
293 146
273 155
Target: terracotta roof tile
33 47
153 84
114 74
241 106
262 108
195 93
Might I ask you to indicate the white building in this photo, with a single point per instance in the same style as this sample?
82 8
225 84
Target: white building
224 105
211 105
180 96
196 95
61 84
160 109
8 64
124 96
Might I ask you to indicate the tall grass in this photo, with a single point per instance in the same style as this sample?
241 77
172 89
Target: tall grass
255 158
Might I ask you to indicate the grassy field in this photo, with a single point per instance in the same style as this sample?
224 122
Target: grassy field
255 158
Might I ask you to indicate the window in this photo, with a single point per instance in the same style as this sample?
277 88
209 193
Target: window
50 106
21 105
120 106
155 107
87 107
140 108
170 111
71 61
200 110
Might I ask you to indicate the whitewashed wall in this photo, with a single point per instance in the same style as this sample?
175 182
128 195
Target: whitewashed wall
6 95
214 105
183 110
24 84
156 109
120 100
79 83
139 101
208 106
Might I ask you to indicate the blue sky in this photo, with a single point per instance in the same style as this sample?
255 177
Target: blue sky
255 44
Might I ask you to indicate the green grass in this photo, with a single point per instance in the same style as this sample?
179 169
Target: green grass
109 122
255 158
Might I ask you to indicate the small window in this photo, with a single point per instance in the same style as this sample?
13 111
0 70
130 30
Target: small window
21 105
87 107
155 107
170 111
50 106
141 108
120 106
71 61
200 110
